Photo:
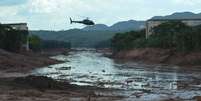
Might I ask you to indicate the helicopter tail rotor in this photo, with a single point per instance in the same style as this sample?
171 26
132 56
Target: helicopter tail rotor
71 21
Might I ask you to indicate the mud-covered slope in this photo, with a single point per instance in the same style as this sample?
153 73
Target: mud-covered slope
18 62
165 56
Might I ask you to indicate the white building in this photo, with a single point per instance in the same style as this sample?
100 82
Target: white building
21 27
18 26
150 24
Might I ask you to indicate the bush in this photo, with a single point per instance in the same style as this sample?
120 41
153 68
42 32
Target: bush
52 44
124 41
172 34
35 43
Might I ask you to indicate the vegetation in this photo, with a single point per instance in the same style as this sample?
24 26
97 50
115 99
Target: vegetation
174 35
77 37
52 44
36 44
104 44
11 39
129 40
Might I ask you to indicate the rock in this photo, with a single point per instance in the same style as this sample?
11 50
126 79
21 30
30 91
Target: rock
138 94
103 71
64 68
129 81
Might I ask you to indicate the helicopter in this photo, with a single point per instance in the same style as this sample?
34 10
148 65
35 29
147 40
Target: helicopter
85 22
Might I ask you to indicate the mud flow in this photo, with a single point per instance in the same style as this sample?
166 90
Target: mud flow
132 79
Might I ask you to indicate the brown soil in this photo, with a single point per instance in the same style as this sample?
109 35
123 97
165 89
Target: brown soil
164 56
17 85
14 62
38 88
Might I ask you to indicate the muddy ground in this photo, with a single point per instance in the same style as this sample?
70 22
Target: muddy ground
32 88
161 56
16 62
16 84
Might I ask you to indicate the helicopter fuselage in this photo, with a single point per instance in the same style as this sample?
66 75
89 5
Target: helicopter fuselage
85 22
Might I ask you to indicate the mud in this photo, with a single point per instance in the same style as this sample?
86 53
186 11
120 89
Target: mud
16 62
39 88
134 81
164 56
90 76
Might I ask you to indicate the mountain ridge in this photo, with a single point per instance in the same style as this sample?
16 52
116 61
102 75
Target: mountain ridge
119 26
180 15
90 36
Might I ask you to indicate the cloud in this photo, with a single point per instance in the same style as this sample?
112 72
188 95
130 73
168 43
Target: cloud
54 14
187 2
11 2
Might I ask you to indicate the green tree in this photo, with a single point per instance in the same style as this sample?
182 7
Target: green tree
170 34
125 41
35 43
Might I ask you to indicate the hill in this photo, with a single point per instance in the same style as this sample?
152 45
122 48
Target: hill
90 36
100 34
180 15
77 37
123 26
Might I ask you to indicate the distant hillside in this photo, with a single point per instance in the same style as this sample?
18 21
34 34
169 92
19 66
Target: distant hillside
77 37
100 34
123 26
90 36
130 25
97 27
180 15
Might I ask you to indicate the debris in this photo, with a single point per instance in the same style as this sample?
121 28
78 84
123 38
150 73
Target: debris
64 68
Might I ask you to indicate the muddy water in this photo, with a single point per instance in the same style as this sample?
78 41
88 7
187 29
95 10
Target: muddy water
148 81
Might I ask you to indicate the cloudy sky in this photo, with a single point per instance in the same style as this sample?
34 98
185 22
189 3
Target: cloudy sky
54 14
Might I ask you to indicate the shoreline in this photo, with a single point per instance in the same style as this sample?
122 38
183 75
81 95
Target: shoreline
23 62
17 84
161 56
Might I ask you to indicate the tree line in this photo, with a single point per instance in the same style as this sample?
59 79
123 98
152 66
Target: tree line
173 34
37 44
13 40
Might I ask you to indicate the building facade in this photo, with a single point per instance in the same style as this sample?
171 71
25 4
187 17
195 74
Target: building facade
150 24
18 26
21 27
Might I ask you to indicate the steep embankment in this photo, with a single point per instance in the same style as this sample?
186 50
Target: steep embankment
164 56
20 63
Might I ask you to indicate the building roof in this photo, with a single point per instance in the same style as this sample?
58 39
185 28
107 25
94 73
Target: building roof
16 24
173 19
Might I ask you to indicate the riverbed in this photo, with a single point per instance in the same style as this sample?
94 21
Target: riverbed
135 80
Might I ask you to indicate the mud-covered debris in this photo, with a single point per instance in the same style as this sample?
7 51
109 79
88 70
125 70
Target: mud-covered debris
64 68
197 98
41 82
